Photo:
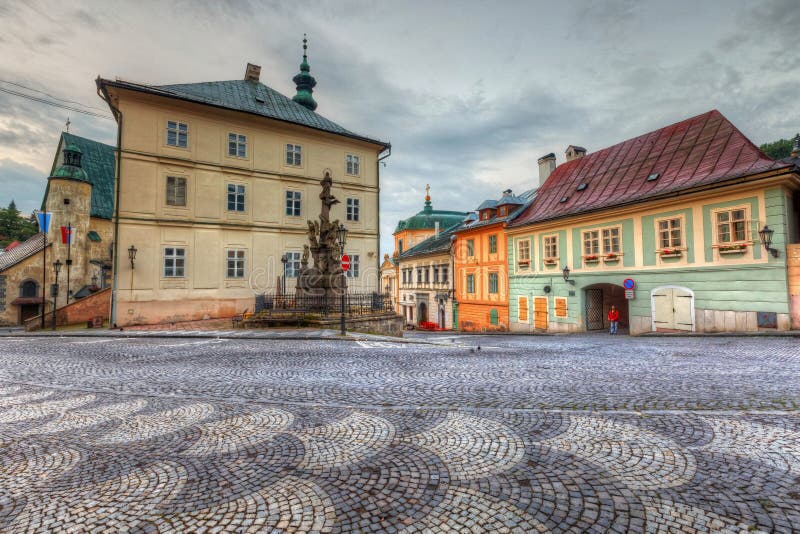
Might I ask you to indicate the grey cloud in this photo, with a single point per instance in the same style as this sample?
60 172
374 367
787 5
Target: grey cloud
21 183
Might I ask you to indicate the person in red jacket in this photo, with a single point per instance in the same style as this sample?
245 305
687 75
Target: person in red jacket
613 318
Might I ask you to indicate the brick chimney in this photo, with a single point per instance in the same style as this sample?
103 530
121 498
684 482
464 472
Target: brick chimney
547 164
253 72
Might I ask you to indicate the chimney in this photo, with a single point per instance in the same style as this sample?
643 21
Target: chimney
253 72
547 164
436 228
575 152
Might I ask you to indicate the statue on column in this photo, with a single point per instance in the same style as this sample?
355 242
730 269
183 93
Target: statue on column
325 277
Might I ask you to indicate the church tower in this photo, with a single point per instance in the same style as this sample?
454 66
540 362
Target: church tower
305 82
69 199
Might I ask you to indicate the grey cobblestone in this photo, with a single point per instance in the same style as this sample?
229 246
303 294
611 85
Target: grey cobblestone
524 435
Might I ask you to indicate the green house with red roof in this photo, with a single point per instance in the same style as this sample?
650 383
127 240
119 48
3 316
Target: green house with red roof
689 228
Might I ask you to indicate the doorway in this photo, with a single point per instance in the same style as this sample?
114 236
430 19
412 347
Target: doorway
540 313
422 314
598 301
442 319
673 309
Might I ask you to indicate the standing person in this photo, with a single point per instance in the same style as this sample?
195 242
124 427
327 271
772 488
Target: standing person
613 318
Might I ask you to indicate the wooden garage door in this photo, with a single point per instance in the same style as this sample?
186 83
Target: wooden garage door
540 313
673 309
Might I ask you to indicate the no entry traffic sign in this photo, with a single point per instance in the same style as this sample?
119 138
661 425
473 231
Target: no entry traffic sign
345 263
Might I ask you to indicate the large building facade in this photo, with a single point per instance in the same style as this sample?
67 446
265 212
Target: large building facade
216 184
682 216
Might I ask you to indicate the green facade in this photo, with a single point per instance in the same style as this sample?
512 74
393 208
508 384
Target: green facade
753 286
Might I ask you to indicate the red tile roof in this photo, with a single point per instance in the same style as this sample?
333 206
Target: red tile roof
703 150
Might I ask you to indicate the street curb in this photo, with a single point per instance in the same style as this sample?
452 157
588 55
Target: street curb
179 335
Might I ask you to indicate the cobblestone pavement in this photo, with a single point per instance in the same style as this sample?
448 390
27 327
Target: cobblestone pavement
527 434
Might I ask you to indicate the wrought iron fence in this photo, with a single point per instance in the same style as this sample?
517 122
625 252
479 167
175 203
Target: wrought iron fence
355 304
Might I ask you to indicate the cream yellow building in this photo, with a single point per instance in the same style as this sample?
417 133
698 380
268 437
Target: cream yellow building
216 182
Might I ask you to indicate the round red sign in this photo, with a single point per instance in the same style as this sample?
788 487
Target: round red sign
345 263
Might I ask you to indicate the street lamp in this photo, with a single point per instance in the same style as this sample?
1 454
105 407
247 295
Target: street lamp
766 239
284 261
56 269
132 255
565 272
341 233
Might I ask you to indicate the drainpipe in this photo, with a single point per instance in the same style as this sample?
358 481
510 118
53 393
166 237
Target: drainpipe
115 254
387 152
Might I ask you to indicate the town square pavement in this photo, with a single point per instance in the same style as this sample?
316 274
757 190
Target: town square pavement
588 433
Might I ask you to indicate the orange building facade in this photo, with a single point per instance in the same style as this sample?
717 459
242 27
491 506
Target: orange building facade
481 266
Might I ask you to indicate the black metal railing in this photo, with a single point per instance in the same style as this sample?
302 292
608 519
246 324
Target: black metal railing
355 304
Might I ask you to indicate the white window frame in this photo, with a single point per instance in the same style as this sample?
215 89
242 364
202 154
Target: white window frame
293 264
470 248
550 242
237 145
171 260
178 129
294 155
607 240
353 208
591 242
235 263
293 203
355 266
239 194
175 187
524 257
352 165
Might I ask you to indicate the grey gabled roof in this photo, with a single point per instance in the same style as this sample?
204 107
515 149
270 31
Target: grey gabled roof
20 252
436 244
248 97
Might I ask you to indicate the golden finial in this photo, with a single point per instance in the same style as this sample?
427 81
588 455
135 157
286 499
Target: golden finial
427 192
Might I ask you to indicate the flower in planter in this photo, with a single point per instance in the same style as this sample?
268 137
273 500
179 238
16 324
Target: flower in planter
730 248
591 257
611 256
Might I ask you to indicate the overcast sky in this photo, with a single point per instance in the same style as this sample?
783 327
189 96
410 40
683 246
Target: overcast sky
470 94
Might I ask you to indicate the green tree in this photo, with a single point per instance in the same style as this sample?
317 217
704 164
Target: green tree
14 226
782 148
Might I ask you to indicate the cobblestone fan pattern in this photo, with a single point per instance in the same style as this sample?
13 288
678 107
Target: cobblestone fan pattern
543 434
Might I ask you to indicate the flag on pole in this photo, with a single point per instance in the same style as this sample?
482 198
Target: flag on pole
43 218
68 235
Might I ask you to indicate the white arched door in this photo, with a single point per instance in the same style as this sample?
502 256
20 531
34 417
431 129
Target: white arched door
673 308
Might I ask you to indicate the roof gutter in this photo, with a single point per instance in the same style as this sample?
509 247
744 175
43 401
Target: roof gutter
102 92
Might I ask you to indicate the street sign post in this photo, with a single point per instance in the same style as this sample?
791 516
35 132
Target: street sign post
628 283
345 263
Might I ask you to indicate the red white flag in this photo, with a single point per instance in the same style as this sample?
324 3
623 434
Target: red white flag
68 235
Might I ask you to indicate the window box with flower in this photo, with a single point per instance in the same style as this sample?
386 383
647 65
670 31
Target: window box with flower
591 258
733 248
670 252
611 257
550 261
